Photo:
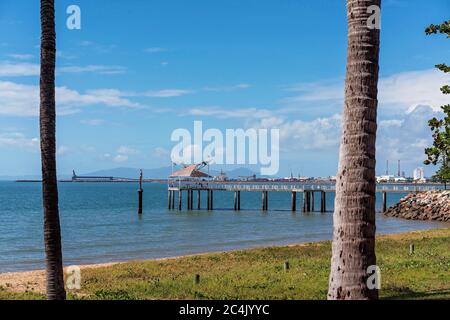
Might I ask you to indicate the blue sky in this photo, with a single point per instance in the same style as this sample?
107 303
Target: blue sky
137 70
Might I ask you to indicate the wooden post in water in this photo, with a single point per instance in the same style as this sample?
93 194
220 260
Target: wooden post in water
169 199
140 192
188 199
180 199
212 199
304 201
208 201
173 199
384 205
308 201
235 200
294 201
239 200
263 201
312 201
321 201
267 200
198 199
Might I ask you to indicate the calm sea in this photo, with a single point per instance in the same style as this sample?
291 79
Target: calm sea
100 224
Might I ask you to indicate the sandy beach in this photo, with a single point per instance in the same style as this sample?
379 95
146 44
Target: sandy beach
34 281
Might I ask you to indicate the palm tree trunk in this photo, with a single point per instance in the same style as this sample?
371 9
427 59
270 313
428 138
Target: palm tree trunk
353 247
52 231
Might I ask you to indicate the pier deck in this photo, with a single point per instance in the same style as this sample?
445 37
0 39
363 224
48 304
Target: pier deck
308 192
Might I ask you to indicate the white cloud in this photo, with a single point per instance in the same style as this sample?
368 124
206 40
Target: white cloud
403 138
407 139
23 100
19 140
93 122
161 153
156 50
120 158
317 134
410 89
240 86
397 93
100 69
25 69
18 69
390 123
62 151
230 113
127 150
18 56
167 93
108 97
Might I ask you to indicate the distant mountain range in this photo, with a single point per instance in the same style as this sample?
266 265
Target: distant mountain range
162 173
133 173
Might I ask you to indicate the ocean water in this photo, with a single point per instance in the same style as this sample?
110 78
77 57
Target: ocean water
100 223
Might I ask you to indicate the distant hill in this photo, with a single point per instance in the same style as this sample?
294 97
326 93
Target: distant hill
240 172
30 177
133 173
160 173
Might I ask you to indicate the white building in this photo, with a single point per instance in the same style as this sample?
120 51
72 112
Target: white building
419 175
385 178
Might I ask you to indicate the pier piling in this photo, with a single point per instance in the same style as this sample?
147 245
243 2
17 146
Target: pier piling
173 199
294 201
239 200
190 199
140 194
308 195
212 200
169 199
304 201
308 201
265 201
384 205
323 206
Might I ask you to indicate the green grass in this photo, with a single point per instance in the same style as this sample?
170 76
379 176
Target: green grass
259 273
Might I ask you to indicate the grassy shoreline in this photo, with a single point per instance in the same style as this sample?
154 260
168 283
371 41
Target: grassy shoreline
259 273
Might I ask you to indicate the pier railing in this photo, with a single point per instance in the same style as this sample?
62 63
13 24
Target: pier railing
308 192
276 187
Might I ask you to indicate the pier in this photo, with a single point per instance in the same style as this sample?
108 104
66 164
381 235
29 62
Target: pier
309 192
